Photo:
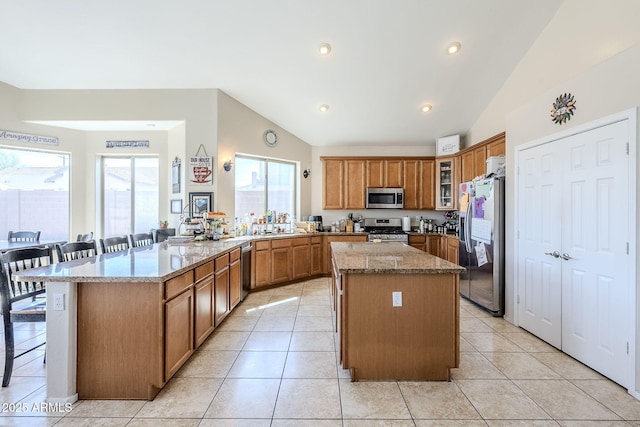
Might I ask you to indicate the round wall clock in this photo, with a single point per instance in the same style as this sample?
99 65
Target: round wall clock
270 138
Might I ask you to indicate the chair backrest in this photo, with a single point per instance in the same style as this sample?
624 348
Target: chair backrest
162 234
141 239
76 250
18 260
85 237
24 236
114 244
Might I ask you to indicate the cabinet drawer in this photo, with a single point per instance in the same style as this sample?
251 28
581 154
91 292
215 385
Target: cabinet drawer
234 255
316 239
173 287
280 243
417 239
262 245
300 241
204 270
222 262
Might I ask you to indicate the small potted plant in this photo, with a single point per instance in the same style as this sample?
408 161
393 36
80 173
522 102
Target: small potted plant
164 224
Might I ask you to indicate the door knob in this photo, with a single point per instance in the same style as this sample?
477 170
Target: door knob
554 254
566 256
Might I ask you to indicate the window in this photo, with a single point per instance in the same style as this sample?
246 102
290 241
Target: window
34 193
263 184
130 195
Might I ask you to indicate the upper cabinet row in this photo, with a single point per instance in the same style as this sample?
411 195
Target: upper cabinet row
345 180
429 183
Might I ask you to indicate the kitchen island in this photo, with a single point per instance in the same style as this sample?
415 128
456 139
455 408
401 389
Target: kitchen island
396 311
120 325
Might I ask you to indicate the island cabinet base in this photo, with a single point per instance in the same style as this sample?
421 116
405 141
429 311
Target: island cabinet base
416 341
120 340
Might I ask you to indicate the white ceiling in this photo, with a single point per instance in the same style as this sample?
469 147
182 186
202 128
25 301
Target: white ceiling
388 57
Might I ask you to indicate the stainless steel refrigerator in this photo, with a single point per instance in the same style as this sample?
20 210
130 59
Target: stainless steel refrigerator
481 250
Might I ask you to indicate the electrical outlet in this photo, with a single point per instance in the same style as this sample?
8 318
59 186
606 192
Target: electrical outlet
58 302
397 299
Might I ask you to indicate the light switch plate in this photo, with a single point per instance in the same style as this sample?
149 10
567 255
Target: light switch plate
58 302
397 299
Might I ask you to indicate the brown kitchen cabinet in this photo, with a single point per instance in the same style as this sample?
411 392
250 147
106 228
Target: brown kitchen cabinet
178 322
468 166
446 184
426 188
235 279
453 244
316 255
204 302
221 289
496 145
480 160
412 184
300 257
418 241
384 173
280 260
261 262
333 181
354 185
433 244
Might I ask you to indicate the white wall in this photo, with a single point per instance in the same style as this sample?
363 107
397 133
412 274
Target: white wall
240 130
582 34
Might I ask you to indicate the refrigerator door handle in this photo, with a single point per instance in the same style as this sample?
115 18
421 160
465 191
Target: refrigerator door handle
467 227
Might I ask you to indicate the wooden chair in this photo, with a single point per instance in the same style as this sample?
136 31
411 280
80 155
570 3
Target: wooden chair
76 250
114 244
18 299
141 239
85 237
24 236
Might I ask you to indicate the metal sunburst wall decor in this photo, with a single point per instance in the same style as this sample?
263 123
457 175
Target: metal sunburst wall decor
563 108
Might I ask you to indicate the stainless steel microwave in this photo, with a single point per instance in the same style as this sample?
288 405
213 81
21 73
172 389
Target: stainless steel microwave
385 198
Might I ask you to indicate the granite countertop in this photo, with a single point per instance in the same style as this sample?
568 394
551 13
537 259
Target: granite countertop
388 258
154 263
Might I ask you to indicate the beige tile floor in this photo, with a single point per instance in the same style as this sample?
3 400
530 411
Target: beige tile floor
273 363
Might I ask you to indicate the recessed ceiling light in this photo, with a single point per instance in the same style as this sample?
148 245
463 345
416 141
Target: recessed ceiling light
454 48
426 108
324 108
324 48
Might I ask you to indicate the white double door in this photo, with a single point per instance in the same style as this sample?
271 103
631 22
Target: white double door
573 233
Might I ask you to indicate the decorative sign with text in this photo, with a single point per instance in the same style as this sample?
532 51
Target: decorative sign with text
201 170
25 137
127 144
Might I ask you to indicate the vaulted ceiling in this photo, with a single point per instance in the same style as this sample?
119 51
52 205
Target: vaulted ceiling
388 58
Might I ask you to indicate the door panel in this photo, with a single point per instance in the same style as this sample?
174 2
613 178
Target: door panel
539 218
595 316
573 198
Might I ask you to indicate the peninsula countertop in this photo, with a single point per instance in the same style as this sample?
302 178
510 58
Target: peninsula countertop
153 263
388 258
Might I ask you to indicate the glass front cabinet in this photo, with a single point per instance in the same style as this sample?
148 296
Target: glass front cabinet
446 183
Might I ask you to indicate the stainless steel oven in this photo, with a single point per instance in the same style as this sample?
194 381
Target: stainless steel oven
385 230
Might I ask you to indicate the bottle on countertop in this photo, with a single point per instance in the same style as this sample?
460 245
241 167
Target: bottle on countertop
421 225
429 225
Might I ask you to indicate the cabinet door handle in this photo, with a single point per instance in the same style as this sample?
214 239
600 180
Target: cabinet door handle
554 254
565 256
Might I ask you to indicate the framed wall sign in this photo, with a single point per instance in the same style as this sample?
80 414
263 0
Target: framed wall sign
200 203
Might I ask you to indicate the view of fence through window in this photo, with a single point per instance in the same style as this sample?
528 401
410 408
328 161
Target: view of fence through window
262 184
130 195
34 193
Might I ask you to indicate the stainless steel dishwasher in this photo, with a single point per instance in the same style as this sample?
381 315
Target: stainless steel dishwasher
245 259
